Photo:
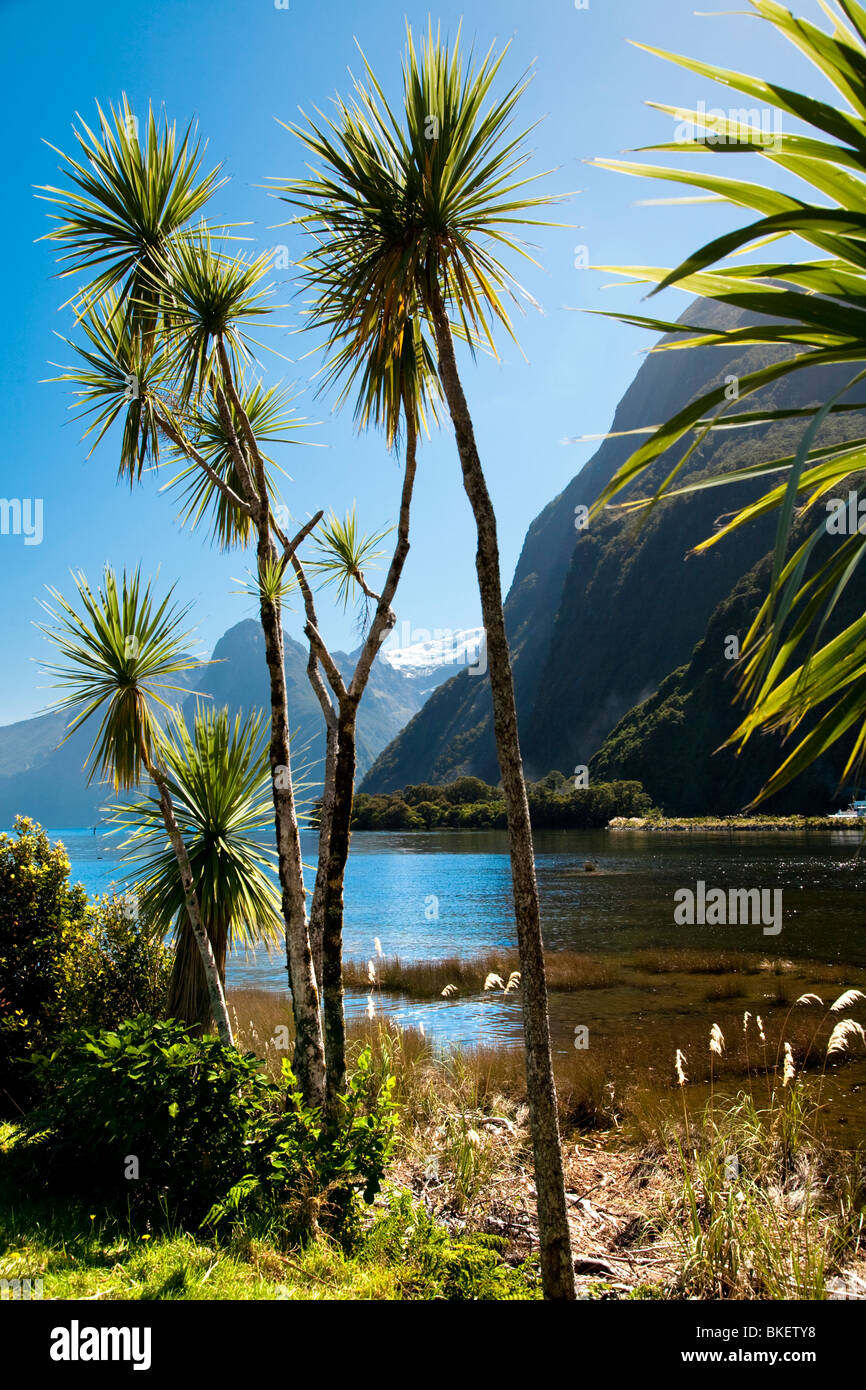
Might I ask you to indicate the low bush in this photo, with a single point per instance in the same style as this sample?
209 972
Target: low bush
64 961
433 1264
149 1119
120 966
41 918
146 1116
309 1177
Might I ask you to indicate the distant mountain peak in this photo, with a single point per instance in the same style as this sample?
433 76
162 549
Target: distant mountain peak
422 653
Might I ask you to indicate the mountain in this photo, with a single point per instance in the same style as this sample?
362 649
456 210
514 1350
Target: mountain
238 677
598 618
41 777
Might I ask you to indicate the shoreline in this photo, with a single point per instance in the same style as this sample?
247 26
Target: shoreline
684 824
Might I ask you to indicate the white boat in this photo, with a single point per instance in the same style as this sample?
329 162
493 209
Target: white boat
856 811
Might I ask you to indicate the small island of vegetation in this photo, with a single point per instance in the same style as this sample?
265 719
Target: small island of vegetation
470 804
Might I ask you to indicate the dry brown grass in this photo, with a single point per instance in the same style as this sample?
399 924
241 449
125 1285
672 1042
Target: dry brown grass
626 1076
426 979
693 961
728 987
572 971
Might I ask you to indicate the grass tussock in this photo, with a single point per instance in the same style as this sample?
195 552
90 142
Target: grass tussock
612 1083
569 971
759 1204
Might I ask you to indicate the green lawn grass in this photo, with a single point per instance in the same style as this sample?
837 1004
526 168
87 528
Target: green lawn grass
84 1254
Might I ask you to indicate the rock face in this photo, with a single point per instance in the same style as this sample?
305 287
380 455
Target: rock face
600 618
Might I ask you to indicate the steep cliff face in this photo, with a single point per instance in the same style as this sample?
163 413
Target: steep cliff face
598 618
675 741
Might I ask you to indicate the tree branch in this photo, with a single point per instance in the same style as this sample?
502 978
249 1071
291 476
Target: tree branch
385 617
290 550
180 441
234 397
234 444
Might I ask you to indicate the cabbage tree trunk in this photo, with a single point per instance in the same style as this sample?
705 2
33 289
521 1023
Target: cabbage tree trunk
309 1057
215 991
557 1266
188 994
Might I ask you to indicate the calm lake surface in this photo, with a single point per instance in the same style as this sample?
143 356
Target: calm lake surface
397 883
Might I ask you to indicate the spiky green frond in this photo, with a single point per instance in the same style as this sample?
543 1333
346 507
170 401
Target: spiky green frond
274 421
208 297
273 580
343 552
219 780
119 375
129 192
794 674
399 204
119 648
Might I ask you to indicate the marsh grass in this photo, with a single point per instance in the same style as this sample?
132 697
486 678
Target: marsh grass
573 971
791 1214
426 979
730 987
776 1227
693 961
625 1077
760 1207
761 1204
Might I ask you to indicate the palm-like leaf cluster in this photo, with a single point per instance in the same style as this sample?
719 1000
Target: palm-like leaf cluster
402 205
165 313
120 377
270 413
128 197
218 777
815 307
119 649
342 554
208 298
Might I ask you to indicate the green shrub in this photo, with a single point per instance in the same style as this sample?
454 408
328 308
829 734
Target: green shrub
64 961
41 920
119 967
310 1177
432 1264
147 1118
146 1115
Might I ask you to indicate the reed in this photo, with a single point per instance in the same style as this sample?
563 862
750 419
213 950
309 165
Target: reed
426 979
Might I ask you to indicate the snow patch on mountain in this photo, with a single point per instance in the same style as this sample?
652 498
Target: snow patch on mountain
419 654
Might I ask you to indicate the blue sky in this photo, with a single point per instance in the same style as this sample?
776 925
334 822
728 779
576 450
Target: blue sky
237 66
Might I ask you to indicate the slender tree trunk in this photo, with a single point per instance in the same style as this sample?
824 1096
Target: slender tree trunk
216 994
309 1058
326 814
556 1259
332 937
326 924
188 996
